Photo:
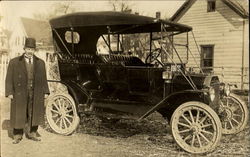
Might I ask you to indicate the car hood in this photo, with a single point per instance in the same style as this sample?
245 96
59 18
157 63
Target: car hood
200 80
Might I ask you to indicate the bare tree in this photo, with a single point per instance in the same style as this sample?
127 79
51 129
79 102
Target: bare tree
121 5
57 9
64 8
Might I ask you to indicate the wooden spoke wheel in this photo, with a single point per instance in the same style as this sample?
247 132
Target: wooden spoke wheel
234 114
61 114
196 127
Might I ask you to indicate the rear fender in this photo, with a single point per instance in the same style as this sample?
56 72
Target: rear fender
167 106
80 95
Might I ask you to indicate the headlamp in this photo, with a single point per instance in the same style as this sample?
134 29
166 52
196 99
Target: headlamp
212 93
227 90
167 75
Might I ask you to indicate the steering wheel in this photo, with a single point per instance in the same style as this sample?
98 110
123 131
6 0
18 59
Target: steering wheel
153 55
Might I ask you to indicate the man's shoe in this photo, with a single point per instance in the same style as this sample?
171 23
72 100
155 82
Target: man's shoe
37 134
34 138
16 140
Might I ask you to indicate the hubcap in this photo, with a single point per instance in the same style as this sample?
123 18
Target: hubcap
195 129
62 113
229 113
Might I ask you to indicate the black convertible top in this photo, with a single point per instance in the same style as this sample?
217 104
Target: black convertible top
117 22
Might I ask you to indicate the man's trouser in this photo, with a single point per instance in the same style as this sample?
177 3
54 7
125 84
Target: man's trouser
31 129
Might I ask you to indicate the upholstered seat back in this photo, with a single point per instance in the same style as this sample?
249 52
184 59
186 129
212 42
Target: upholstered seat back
121 60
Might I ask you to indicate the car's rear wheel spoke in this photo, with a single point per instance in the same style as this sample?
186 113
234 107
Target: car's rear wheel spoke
67 120
235 121
56 106
57 120
55 111
231 124
60 125
64 123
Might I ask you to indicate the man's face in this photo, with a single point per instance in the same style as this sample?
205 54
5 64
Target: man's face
29 52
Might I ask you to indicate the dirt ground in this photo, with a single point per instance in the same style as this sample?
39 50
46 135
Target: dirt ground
94 138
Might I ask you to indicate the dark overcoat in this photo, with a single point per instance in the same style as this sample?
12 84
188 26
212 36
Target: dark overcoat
16 85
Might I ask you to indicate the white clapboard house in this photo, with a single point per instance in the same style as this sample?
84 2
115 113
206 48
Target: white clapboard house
221 29
26 27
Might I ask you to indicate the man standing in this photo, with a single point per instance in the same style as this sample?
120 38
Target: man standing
27 87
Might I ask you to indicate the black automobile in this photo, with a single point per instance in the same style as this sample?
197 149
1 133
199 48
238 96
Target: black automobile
123 65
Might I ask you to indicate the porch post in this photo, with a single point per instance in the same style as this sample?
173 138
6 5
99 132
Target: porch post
243 55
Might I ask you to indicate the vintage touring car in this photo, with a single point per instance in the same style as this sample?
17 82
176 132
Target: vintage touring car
120 65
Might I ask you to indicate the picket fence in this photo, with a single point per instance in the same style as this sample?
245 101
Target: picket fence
4 60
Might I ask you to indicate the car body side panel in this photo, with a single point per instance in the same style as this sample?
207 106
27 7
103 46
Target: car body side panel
172 101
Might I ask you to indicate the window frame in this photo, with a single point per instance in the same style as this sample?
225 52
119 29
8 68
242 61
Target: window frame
206 68
209 8
68 37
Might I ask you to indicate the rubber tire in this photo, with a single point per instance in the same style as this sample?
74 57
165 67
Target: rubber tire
246 115
51 123
210 111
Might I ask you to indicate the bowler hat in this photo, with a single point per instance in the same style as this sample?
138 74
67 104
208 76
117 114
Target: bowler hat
30 42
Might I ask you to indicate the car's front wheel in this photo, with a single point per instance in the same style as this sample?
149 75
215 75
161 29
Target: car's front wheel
196 128
61 114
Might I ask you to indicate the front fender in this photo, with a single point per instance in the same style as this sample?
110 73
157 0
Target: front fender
168 105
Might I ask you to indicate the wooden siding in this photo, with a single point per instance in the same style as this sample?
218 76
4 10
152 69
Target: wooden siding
223 29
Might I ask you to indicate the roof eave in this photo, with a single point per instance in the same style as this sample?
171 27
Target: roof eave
186 5
182 10
237 10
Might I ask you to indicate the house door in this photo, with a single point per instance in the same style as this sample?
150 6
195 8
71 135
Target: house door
207 58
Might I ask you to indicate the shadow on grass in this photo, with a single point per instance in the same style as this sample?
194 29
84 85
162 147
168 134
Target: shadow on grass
122 128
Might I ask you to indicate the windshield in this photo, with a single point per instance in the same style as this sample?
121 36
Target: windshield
141 44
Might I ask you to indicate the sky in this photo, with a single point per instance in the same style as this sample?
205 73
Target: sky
11 10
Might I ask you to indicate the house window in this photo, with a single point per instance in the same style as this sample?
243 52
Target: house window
211 4
207 58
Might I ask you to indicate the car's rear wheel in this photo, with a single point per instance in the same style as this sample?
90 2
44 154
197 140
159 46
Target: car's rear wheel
61 114
196 127
234 114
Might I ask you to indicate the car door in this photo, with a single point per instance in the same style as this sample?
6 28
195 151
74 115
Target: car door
139 80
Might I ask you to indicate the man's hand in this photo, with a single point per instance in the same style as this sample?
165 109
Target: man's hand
10 96
46 96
